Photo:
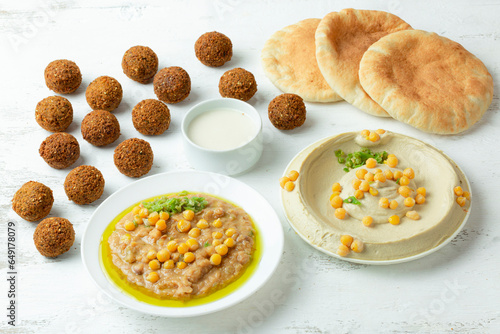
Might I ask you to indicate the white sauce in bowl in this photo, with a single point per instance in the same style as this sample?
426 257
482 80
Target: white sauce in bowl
221 129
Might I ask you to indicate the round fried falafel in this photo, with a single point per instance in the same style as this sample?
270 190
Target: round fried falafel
140 63
104 93
213 49
133 157
172 84
54 113
151 117
54 236
33 201
287 111
100 127
84 184
60 150
238 84
63 76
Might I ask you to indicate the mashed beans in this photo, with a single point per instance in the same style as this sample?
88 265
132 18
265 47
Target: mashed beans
187 254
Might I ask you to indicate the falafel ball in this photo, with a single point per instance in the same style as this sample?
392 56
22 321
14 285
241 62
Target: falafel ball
151 117
100 127
287 111
140 63
54 236
213 49
172 84
237 84
133 157
63 76
104 93
84 184
54 113
33 201
60 150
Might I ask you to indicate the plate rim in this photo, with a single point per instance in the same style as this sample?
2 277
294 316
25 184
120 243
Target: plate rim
379 262
272 254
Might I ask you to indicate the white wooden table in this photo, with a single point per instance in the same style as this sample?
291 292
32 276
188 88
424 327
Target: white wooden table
454 290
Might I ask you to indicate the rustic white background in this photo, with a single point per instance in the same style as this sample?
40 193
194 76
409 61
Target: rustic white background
455 290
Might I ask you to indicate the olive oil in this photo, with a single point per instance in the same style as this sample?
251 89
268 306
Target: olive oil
115 275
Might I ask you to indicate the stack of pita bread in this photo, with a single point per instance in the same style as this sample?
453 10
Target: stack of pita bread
378 63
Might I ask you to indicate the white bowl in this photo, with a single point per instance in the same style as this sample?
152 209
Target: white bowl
267 222
228 162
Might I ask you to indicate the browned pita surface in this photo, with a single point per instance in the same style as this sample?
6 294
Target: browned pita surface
426 80
289 61
341 40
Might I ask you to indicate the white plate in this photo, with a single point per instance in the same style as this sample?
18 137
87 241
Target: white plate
263 215
295 219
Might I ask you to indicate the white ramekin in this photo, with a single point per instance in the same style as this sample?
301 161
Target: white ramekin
229 162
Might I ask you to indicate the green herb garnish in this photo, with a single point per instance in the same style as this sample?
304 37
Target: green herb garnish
174 205
206 244
352 200
341 156
358 159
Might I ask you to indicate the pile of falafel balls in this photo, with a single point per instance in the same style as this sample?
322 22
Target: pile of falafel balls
133 157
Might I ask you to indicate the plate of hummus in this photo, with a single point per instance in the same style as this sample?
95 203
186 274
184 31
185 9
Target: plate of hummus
375 197
182 244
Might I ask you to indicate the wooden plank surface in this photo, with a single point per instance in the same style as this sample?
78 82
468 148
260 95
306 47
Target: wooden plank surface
455 290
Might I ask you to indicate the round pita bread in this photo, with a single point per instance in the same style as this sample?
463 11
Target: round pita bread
427 81
289 61
341 40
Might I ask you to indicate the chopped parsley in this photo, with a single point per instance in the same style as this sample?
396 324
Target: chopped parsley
352 200
358 159
174 205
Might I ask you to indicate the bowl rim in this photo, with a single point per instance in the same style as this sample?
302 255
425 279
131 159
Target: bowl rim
380 262
249 109
272 245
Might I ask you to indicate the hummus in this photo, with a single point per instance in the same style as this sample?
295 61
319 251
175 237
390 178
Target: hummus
308 209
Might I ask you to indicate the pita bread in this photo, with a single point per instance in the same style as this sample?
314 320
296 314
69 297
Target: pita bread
289 61
426 80
341 40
